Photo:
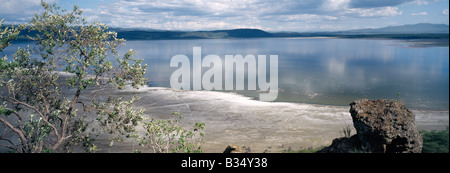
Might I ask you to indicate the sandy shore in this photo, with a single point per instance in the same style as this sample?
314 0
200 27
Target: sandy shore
262 126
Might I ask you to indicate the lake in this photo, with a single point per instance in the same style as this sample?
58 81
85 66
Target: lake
328 71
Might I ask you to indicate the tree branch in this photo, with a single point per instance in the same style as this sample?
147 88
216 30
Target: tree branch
17 131
66 120
86 108
9 141
16 113
12 148
17 102
44 99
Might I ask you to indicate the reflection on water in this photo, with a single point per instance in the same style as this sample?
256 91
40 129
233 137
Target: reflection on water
323 71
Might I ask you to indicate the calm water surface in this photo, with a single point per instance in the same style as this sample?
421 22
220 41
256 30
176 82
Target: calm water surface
322 71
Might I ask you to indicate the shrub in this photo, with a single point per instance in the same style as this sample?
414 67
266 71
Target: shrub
435 141
164 136
42 111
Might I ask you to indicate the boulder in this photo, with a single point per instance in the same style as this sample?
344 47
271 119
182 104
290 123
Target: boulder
233 149
382 126
343 145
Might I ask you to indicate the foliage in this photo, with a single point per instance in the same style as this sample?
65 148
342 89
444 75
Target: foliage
164 136
43 107
347 131
40 108
6 35
117 117
435 141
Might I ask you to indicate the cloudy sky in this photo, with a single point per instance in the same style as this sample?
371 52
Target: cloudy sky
270 15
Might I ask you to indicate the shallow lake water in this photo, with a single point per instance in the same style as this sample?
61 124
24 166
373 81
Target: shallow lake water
326 71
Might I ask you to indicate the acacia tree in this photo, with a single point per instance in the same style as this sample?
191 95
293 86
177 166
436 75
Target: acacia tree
39 106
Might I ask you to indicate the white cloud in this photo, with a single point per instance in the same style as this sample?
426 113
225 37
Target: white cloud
305 17
293 15
419 14
175 15
445 11
334 5
377 3
376 12
20 11
419 2
228 14
18 6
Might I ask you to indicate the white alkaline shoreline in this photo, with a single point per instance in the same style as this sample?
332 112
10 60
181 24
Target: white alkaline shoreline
263 126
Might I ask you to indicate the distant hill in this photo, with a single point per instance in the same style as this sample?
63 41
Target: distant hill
416 31
158 34
244 33
421 28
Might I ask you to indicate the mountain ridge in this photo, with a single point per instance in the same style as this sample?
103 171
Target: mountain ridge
413 31
419 28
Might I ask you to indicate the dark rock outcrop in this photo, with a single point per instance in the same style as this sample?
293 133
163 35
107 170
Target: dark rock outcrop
382 126
343 145
233 149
